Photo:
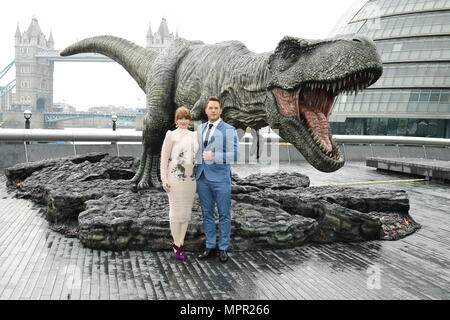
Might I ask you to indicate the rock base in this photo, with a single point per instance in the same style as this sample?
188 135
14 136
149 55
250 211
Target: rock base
91 197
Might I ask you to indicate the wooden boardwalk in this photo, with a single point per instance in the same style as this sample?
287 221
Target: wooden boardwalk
37 263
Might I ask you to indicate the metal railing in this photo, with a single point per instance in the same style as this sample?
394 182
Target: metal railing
22 135
45 135
115 136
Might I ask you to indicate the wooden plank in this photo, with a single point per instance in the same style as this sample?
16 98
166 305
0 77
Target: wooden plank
104 278
77 283
137 276
265 278
152 276
46 276
41 264
313 270
112 275
292 282
37 269
170 283
95 276
62 271
130 279
72 273
29 261
224 287
15 267
205 276
121 277
87 275
172 268
53 273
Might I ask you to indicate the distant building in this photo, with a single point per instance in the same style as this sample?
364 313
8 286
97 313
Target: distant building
111 109
5 99
412 97
161 38
34 77
63 107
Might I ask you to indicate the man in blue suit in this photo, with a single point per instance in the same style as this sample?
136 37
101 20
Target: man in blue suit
219 147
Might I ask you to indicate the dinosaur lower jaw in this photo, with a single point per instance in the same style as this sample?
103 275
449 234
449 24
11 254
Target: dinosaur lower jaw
311 107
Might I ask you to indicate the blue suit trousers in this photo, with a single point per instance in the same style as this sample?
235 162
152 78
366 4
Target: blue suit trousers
215 192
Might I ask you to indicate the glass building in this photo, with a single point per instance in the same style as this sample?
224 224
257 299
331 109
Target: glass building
412 97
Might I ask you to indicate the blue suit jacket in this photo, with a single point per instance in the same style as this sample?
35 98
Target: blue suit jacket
225 145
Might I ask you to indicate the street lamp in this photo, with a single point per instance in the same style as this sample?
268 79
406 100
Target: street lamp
27 115
114 120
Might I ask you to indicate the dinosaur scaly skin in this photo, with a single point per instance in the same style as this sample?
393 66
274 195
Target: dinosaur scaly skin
291 89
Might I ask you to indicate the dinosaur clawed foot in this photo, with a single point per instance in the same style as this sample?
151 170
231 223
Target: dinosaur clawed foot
148 175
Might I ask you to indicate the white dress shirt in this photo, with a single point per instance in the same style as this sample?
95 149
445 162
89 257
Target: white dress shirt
215 124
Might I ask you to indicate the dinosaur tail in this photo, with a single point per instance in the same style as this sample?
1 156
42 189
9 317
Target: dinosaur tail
135 59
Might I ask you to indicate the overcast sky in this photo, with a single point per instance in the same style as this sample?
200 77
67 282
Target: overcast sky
260 25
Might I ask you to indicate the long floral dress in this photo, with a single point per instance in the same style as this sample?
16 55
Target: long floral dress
178 169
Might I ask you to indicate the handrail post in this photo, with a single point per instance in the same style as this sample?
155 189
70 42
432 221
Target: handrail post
26 152
425 151
289 154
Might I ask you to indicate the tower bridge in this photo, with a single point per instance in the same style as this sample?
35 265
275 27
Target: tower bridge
35 56
53 55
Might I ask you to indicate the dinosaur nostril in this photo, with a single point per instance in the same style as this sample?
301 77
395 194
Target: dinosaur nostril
356 40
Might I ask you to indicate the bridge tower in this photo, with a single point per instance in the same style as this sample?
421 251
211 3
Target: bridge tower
161 38
34 76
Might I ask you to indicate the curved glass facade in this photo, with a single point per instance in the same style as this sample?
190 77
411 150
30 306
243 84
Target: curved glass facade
412 97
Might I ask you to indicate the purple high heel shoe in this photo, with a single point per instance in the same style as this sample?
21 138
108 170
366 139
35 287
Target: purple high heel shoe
179 254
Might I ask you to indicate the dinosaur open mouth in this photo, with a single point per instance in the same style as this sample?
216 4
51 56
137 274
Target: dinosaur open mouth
311 104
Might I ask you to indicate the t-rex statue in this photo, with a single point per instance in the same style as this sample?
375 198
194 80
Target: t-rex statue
291 89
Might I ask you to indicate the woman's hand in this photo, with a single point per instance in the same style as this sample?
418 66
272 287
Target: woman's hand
166 186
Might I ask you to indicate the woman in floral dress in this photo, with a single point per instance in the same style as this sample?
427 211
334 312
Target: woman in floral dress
178 176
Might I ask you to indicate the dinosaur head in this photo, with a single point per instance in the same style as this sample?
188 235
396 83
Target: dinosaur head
305 77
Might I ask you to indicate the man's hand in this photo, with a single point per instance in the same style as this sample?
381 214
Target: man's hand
208 155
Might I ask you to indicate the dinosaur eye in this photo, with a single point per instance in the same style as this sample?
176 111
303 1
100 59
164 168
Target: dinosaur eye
291 55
